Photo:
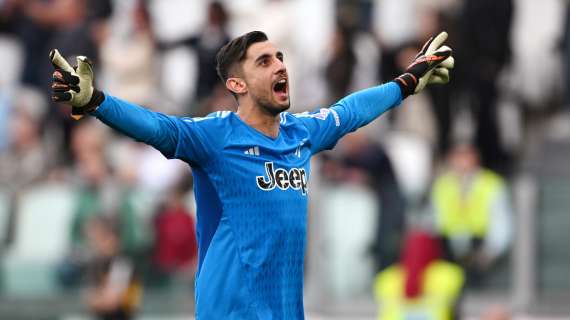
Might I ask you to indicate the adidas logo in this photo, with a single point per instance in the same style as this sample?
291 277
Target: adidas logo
298 150
254 151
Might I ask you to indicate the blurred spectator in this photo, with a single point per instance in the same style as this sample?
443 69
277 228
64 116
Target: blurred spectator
352 55
393 31
207 43
484 34
358 159
176 246
432 20
133 79
40 25
413 116
420 285
24 161
472 213
17 17
99 191
114 290
219 100
340 67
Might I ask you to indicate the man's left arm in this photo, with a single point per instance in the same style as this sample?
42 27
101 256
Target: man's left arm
430 66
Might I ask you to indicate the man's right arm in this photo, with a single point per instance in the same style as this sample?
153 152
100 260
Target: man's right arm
175 137
153 128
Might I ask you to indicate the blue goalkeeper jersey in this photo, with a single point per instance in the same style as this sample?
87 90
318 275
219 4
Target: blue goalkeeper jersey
251 194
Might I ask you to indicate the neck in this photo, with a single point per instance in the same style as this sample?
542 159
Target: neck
260 119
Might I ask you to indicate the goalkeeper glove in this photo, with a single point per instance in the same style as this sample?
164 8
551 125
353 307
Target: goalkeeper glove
74 85
430 66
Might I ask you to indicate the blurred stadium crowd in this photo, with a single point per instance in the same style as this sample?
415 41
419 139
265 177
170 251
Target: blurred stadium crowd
430 186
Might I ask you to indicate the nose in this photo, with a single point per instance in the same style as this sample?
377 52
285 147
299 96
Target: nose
280 67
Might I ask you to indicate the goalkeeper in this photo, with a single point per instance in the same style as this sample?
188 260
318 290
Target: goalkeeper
250 167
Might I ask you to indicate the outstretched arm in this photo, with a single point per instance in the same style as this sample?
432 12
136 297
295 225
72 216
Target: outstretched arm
430 66
165 133
153 128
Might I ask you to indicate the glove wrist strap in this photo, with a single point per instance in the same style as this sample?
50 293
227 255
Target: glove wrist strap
96 99
407 83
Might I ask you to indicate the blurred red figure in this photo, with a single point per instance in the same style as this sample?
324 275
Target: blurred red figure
421 285
175 233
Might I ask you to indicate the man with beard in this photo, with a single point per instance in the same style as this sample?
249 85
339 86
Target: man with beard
250 167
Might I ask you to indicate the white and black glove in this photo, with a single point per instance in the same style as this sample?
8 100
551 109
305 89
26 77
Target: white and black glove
430 66
74 85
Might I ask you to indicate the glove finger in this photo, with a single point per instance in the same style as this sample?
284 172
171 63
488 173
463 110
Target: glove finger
437 42
65 77
448 63
59 87
443 48
61 96
438 57
84 66
438 79
422 83
424 47
441 72
57 75
59 61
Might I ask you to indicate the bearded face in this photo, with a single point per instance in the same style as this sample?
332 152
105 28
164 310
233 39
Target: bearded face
265 77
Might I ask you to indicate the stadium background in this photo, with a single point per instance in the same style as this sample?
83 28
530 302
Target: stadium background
512 61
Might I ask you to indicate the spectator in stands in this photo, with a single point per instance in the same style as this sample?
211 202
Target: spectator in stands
25 160
219 100
41 25
358 159
98 190
472 212
484 34
440 18
133 78
207 43
114 290
421 285
176 246
340 67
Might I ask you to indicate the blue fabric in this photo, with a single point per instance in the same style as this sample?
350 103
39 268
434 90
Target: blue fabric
251 194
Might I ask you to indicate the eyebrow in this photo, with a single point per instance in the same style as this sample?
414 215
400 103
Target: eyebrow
267 55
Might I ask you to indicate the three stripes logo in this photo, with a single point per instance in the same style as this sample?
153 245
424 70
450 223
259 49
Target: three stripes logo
298 149
254 151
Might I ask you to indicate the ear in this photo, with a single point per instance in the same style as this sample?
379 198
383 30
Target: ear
236 85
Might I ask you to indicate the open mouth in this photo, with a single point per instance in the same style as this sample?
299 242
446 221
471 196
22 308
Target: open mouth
280 87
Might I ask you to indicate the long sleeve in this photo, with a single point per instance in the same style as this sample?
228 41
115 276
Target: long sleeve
327 126
153 128
174 137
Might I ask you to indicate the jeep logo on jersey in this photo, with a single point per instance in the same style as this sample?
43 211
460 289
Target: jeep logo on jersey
295 178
